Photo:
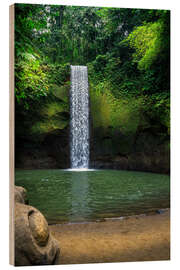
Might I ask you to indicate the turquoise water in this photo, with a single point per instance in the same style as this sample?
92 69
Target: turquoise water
73 196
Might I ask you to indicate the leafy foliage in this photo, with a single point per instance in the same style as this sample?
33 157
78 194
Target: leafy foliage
127 52
146 40
31 78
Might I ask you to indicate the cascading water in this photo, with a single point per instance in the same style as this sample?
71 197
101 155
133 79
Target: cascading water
79 117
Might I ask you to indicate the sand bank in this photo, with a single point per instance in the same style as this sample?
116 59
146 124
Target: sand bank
136 238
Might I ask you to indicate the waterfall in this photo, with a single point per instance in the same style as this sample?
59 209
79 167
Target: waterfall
79 117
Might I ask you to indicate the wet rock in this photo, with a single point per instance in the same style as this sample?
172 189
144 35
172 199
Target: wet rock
52 153
160 211
156 162
34 244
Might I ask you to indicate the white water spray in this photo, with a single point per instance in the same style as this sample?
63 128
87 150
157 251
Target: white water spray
79 117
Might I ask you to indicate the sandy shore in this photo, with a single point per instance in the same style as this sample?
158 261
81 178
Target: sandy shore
138 238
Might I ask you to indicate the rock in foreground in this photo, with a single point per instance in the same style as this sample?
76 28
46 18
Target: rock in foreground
34 244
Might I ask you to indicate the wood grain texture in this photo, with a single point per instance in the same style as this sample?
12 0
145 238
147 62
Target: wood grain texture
11 134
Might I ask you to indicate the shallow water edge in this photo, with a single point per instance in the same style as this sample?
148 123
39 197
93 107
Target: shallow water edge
83 196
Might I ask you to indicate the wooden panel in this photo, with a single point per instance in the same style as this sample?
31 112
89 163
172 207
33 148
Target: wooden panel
11 135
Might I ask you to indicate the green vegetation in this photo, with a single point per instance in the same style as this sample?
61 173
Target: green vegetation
127 53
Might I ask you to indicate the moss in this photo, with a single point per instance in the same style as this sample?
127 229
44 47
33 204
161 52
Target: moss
54 116
61 92
100 110
44 127
107 112
53 108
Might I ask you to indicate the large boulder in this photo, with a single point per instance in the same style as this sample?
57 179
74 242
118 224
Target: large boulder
20 195
34 245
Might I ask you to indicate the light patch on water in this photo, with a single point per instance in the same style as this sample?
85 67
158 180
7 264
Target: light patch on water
80 170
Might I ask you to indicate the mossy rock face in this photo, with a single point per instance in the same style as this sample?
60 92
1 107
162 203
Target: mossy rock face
50 151
114 122
54 116
122 136
43 128
107 112
46 143
52 108
61 92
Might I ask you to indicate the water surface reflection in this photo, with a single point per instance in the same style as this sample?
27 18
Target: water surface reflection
71 196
